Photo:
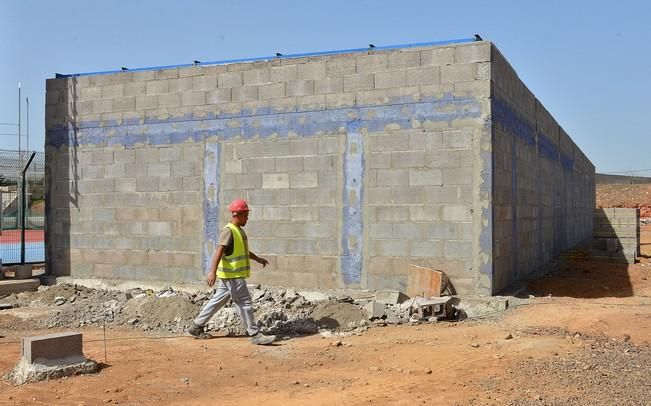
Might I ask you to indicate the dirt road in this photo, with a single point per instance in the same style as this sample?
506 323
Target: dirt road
586 344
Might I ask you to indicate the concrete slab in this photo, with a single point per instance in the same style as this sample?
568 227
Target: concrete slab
9 286
390 297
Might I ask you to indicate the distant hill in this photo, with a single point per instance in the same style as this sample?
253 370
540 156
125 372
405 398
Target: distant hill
606 179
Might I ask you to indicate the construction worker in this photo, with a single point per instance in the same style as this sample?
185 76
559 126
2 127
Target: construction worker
230 264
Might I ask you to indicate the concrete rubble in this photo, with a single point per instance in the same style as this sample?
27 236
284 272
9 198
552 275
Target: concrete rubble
279 311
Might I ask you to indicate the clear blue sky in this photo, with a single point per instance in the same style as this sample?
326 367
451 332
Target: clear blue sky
588 62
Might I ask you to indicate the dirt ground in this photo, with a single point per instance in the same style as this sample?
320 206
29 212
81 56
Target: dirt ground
623 195
584 339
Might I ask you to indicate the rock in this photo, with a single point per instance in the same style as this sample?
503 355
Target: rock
337 343
375 310
124 296
474 345
508 336
393 317
315 297
59 300
428 371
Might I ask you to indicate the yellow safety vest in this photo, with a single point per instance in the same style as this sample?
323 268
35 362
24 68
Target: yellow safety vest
237 264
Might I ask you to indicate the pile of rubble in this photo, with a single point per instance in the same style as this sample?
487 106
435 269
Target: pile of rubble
279 311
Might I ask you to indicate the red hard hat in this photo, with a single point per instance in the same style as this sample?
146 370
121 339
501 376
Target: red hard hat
238 205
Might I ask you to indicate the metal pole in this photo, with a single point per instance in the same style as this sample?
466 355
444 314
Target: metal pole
20 155
24 211
27 119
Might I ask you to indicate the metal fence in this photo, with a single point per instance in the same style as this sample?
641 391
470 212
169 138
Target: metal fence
22 207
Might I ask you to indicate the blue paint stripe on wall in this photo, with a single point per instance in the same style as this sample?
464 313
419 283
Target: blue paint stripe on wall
352 230
211 206
247 125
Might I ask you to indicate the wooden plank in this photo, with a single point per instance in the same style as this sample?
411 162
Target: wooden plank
423 281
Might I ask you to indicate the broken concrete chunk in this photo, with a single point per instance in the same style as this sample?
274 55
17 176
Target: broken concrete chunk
375 310
480 306
390 297
314 297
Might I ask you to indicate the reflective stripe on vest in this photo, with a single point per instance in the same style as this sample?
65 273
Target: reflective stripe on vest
237 264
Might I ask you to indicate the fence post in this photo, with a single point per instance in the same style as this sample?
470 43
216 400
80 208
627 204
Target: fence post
23 204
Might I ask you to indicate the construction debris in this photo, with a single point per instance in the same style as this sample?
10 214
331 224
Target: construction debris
278 311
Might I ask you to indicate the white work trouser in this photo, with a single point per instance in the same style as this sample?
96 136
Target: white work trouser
237 290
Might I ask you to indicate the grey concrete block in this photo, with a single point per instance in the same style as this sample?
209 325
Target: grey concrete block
303 180
312 70
423 76
223 95
458 249
371 63
146 102
193 98
437 57
426 249
192 183
339 65
157 87
457 176
256 76
204 82
285 73
275 181
161 169
329 85
147 184
458 73
404 60
384 80
456 213
53 349
300 88
472 53
229 79
271 91
244 93
425 177
359 81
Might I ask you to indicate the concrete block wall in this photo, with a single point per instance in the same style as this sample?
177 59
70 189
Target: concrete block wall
543 184
355 165
616 234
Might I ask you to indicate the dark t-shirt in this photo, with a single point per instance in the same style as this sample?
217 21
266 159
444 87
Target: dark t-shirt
226 240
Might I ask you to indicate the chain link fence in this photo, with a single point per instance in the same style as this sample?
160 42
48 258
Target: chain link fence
22 207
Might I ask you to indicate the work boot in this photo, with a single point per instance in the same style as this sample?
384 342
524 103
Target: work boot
197 332
261 339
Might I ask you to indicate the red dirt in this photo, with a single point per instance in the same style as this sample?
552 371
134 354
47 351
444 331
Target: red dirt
633 196
472 362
